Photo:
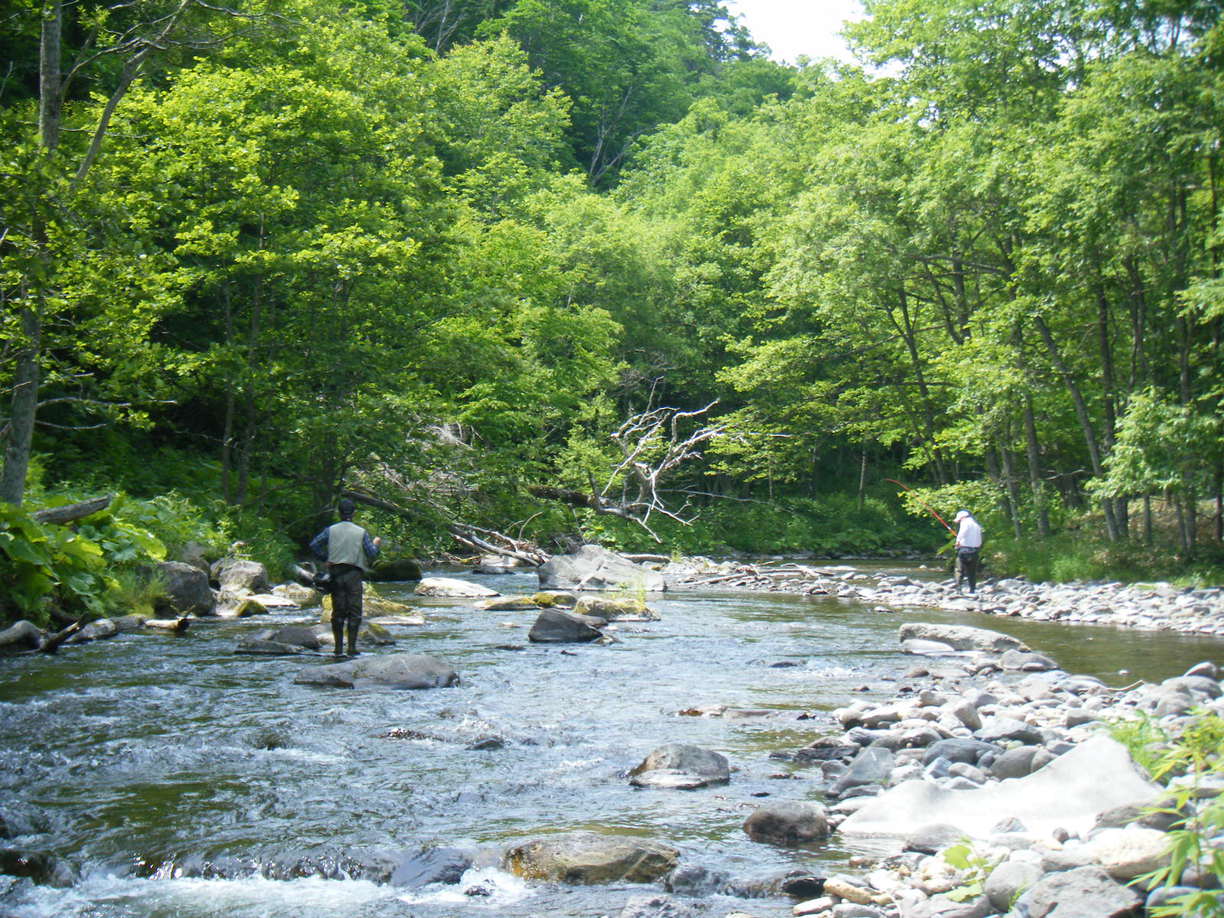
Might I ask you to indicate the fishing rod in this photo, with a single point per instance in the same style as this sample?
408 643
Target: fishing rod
922 505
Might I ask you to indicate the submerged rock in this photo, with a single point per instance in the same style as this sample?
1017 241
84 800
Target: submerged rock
398 670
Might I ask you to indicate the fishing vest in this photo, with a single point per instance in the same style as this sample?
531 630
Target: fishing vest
346 545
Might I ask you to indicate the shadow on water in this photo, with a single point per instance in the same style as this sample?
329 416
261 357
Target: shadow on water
148 757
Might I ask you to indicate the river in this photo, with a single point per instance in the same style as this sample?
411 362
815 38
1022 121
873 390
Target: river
169 771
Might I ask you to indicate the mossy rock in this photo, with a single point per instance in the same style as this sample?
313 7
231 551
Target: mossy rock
391 569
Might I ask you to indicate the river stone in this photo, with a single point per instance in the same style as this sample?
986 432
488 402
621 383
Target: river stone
1008 880
395 670
656 907
301 635
616 610
506 604
43 868
187 590
1007 729
297 594
787 822
595 568
452 588
959 750
1018 763
924 648
871 766
1130 852
394 569
1027 661
696 881
681 766
1086 892
431 865
1195 685
961 637
556 627
1068 793
931 838
237 575
547 599
262 647
587 859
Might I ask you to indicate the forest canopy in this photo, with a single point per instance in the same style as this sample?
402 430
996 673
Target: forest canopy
448 254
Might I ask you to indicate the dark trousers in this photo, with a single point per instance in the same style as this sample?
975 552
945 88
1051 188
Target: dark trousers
346 604
967 567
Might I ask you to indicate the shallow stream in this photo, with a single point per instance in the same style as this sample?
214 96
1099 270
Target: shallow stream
144 759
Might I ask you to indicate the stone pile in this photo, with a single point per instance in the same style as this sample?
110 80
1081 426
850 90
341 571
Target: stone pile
996 776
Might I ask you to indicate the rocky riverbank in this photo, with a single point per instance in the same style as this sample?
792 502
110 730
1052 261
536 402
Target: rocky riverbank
996 775
1154 606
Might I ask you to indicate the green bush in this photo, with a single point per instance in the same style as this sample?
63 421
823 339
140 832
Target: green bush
1196 758
46 566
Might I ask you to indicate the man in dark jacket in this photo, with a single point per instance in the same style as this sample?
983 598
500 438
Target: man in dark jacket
348 551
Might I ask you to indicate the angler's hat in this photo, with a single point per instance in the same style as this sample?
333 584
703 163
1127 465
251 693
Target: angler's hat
961 514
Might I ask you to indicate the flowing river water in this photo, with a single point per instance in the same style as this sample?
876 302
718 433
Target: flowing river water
172 773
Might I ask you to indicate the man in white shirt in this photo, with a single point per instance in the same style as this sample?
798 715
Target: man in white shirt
968 547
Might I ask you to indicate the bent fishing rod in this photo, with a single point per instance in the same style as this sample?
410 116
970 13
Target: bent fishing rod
923 505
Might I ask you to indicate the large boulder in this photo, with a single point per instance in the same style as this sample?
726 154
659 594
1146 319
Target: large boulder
450 587
1086 892
1068 794
595 568
961 637
788 822
397 670
237 575
187 590
587 859
556 627
393 569
683 766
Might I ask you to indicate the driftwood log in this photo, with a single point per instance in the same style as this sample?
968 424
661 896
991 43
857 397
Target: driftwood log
70 512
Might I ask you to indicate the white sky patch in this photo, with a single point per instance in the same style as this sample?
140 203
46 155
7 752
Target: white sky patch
793 28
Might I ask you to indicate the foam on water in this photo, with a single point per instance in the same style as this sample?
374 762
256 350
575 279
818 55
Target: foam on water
100 894
496 889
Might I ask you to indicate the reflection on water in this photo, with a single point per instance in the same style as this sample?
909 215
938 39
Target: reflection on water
148 757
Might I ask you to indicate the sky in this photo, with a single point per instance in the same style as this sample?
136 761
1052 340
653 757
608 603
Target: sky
795 27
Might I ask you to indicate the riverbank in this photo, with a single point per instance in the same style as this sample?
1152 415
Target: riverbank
1150 606
996 773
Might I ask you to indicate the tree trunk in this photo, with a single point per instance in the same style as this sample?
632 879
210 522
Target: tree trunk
24 409
27 376
1085 421
1033 453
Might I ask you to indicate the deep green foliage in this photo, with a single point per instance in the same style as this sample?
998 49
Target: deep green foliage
441 251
